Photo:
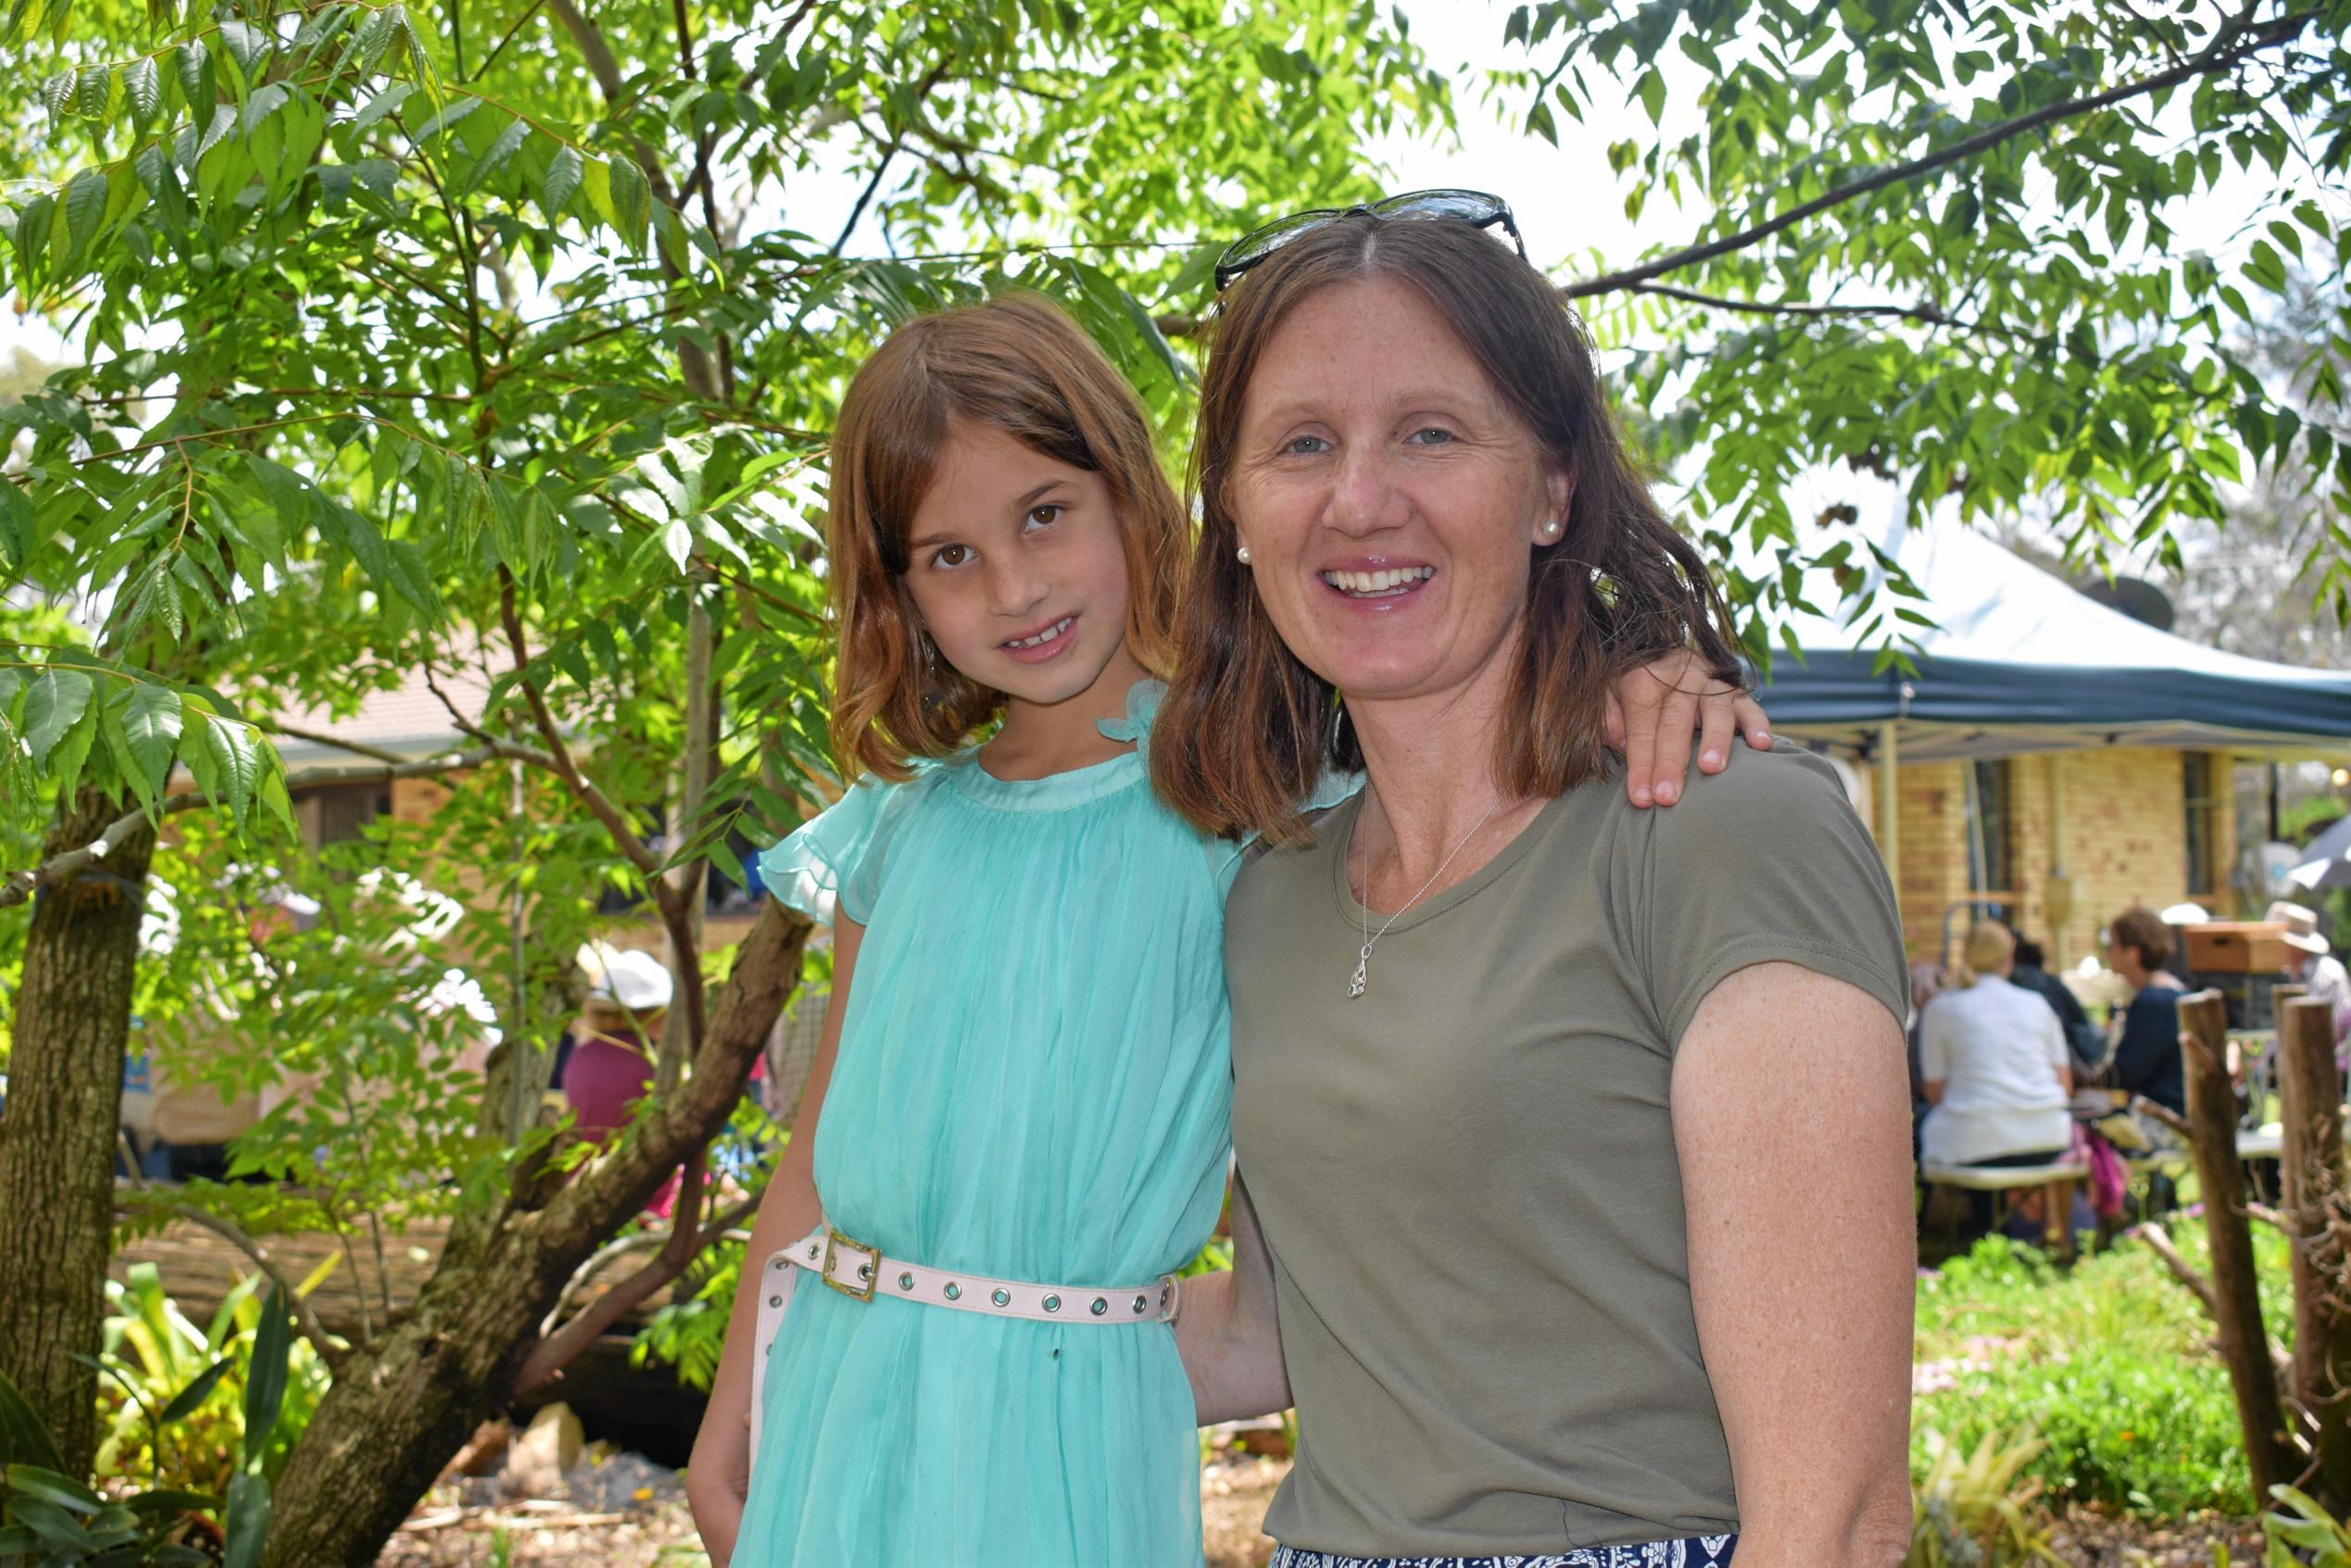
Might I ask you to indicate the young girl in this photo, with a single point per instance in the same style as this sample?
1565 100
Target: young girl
1018 1108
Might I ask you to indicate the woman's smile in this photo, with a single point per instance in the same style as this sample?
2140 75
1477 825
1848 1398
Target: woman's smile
1378 582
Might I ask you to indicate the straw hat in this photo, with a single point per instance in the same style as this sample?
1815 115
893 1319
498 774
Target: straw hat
2301 927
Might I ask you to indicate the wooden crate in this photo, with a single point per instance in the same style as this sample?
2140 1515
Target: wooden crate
2239 946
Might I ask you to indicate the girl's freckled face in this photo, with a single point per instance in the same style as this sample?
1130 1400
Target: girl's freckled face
1389 497
1016 565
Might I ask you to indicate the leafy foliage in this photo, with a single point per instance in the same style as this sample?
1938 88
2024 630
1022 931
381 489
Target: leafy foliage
1948 242
2109 1365
56 1521
1970 1507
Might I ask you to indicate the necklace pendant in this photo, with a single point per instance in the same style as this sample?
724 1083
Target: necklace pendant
1356 986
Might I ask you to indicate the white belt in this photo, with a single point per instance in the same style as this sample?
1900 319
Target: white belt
862 1272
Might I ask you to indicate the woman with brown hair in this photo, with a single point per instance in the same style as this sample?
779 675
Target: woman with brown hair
2146 1053
1573 1152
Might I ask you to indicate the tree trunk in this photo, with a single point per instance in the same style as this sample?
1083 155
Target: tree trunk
400 1409
58 1134
2314 1181
2245 1345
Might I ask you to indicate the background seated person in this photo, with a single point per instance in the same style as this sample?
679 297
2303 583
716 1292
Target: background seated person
2082 1037
2146 1055
1995 1064
2311 964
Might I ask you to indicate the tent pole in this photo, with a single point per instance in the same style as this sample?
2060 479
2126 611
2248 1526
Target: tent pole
1889 817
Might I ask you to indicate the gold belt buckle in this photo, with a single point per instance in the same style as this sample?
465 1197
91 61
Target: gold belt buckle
866 1272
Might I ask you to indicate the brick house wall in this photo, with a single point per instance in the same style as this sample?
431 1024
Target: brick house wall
2124 841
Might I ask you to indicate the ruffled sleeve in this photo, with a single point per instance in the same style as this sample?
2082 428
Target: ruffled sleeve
831 863
1142 708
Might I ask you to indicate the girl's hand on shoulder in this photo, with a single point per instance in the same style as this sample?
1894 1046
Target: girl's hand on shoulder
1652 710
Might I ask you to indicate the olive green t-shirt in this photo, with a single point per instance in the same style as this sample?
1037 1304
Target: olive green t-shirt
1468 1177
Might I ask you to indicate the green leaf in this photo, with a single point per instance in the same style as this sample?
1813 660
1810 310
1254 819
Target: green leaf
51 1486
73 751
493 157
151 732
57 93
286 491
192 64
410 576
248 1521
383 103
459 110
19 526
632 201
54 705
34 221
265 1375
95 94
236 764
1651 92
184 1402
23 1439
85 209
143 83
281 805
561 183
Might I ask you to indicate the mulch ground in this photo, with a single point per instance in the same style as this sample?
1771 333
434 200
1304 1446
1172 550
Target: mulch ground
624 1513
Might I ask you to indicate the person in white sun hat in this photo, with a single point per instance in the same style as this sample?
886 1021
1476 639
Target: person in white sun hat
2314 966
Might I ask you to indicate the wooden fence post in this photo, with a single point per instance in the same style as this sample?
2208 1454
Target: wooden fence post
2245 1344
2312 1178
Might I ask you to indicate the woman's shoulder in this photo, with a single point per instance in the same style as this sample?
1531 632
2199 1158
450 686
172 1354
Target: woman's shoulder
1774 801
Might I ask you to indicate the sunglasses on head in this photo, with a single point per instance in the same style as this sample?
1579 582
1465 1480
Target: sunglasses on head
1473 208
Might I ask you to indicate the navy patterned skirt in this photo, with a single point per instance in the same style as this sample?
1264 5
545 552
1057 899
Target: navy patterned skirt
1697 1551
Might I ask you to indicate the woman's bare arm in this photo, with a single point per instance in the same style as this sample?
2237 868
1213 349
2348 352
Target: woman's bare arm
1790 1114
718 1477
1226 1330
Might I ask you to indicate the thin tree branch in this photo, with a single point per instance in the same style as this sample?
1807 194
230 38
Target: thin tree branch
675 916
23 885
2223 52
857 213
305 1317
640 1241
320 738
687 1238
520 22
1926 313
2159 1241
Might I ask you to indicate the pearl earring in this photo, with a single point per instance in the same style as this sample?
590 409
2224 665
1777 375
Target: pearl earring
1242 555
1550 529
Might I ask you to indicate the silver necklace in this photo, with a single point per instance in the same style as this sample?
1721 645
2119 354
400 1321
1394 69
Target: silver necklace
1362 981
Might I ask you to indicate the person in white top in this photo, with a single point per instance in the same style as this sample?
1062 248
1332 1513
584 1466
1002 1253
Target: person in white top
2313 966
1993 1058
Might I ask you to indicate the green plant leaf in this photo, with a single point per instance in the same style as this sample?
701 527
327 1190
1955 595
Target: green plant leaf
248 1521
235 764
151 732
38 1481
562 181
54 703
85 209
23 1439
265 1380
185 1403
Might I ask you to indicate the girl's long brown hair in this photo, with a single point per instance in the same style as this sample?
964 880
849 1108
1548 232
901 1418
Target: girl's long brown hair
1015 364
1619 587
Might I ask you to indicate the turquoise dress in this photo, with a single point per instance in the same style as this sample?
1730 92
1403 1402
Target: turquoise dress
1034 1082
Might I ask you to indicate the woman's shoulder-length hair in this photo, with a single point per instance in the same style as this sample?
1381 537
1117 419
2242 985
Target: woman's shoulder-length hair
1619 587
